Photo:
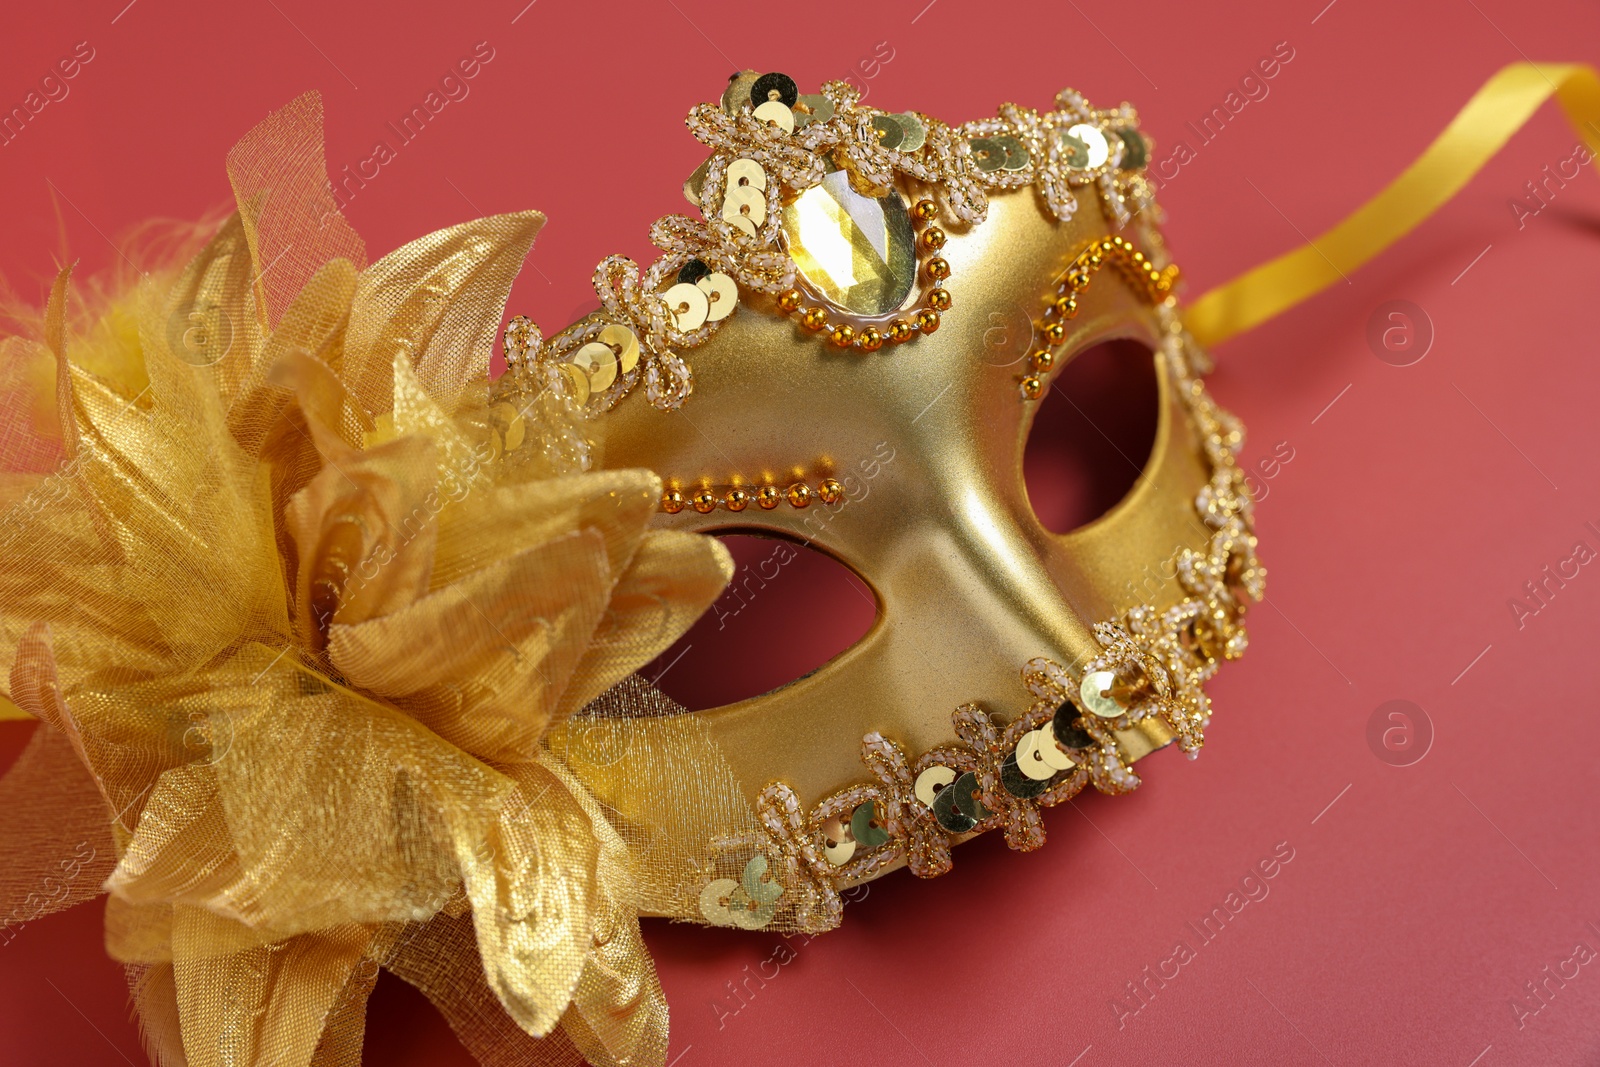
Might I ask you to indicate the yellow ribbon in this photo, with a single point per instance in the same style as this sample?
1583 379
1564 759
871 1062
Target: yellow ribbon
1496 112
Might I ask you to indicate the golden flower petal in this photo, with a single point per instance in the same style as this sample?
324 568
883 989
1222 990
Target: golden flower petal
364 531
265 1004
313 324
619 1013
439 299
669 583
484 661
286 208
318 807
532 886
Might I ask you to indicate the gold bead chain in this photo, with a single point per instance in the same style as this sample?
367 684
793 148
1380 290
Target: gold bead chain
1153 283
738 497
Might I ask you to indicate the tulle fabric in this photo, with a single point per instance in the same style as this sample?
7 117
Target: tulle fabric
322 686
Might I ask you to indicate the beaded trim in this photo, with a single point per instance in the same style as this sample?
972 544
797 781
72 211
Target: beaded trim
737 497
1166 656
1057 152
1155 284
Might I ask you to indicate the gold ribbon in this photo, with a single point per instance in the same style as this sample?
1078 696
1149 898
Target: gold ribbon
1496 112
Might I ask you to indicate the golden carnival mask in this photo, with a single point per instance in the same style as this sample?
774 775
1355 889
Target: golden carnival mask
333 643
820 318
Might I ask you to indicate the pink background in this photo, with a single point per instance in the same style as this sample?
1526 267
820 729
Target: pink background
1419 899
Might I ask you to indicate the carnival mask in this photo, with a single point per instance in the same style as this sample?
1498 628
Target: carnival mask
333 644
833 307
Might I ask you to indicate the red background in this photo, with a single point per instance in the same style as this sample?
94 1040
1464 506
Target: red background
1421 900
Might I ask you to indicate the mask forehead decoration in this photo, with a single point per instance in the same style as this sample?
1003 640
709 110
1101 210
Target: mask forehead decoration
810 365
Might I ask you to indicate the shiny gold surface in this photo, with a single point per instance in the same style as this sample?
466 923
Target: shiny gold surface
969 584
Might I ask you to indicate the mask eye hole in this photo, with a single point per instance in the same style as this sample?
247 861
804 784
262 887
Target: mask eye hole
1092 435
788 611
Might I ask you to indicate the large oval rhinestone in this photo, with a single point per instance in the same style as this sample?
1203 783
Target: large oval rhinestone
857 251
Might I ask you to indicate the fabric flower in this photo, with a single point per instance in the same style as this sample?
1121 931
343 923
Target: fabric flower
298 639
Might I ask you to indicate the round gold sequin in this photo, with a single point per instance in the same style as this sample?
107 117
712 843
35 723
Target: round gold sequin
812 107
737 94
1029 761
599 363
890 133
687 305
915 134
714 900
746 174
865 827
988 153
965 789
931 781
838 844
777 113
624 342
693 271
503 414
1086 146
722 295
1017 155
741 223
1096 694
747 202
1135 150
757 880
947 815
578 378
1018 784
516 430
775 86
1050 750
695 183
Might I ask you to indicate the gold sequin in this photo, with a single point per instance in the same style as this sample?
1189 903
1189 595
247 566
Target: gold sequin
812 107
746 174
737 94
1096 693
687 305
931 781
988 153
890 133
714 901
624 342
777 113
915 132
1029 762
599 363
838 844
722 295
1087 146
746 201
578 378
